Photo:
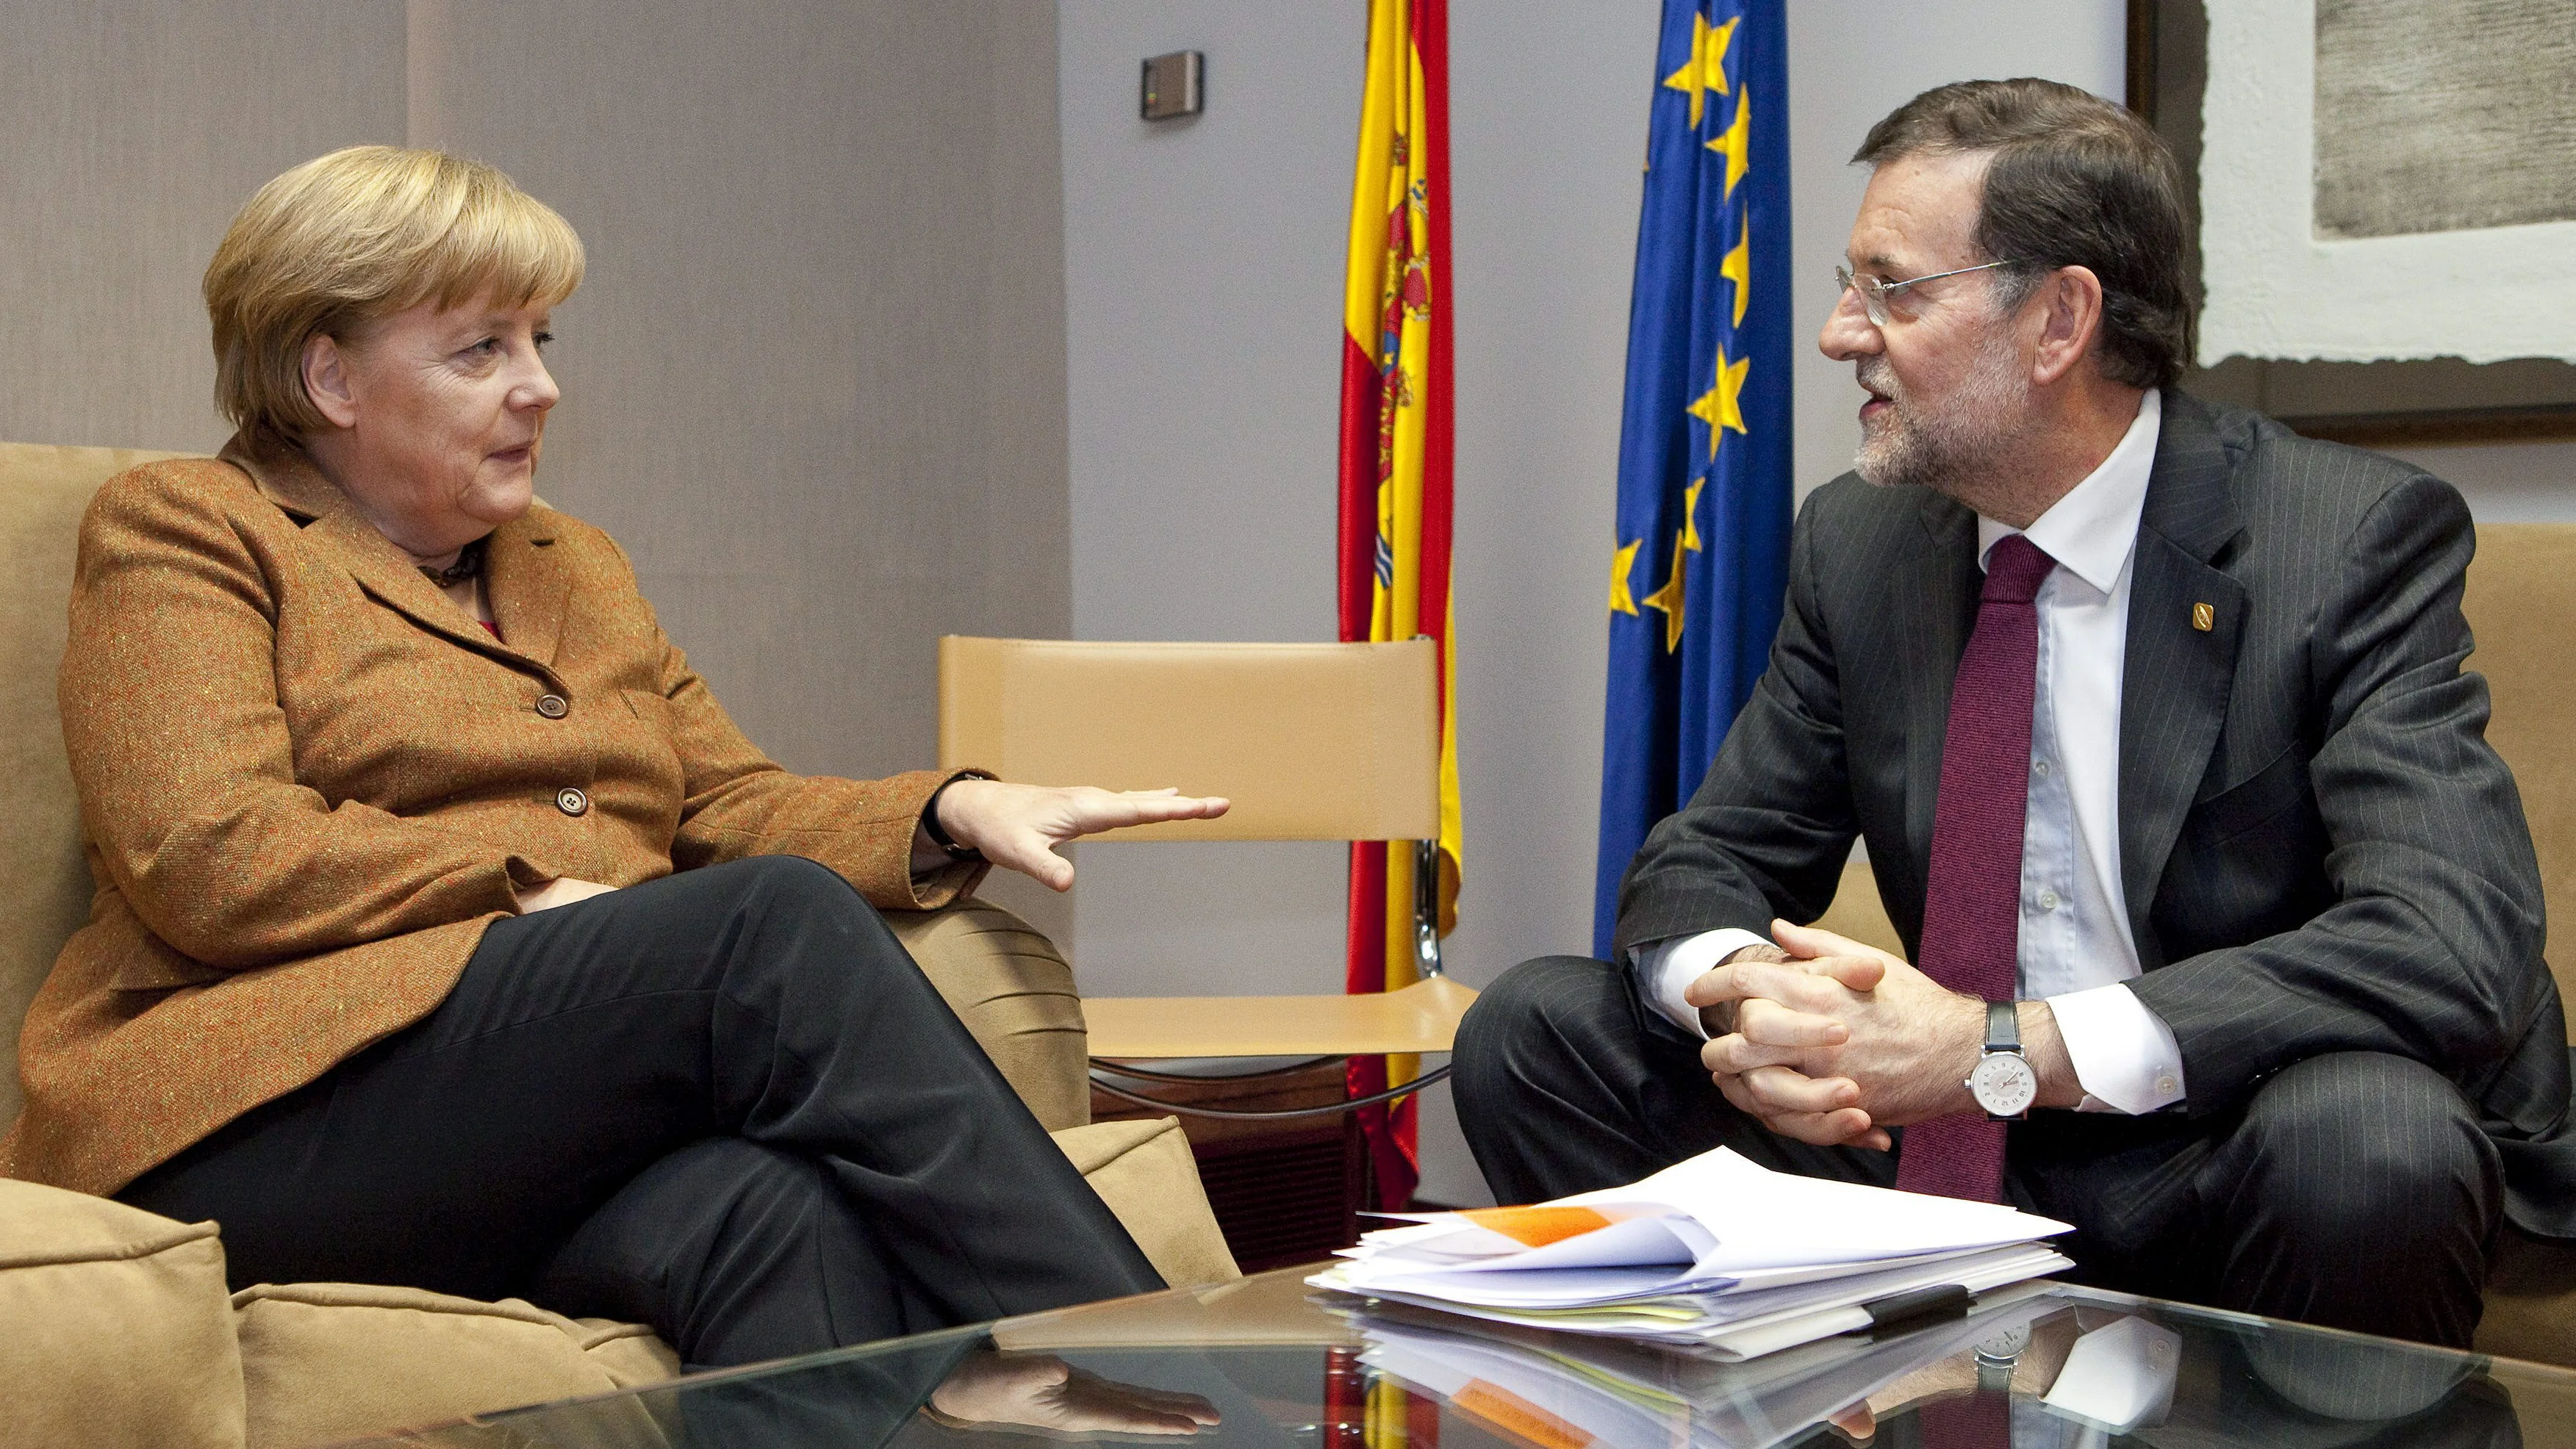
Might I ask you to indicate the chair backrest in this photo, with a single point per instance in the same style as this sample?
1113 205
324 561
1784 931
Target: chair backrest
1309 741
44 883
2522 607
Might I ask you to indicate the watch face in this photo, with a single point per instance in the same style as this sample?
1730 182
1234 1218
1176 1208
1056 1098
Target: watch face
2006 1345
2003 1084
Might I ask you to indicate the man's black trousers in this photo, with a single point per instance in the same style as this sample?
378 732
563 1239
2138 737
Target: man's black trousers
2354 1190
725 1103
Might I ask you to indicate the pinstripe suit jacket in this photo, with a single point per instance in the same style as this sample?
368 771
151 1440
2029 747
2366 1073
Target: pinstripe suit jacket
2318 850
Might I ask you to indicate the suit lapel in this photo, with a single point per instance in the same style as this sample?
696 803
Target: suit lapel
1939 582
346 538
2177 675
529 585
341 534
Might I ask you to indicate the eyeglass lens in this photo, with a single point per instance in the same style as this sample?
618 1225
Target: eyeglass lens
1873 294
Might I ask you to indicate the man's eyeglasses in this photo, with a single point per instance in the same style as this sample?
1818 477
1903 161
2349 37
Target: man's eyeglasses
1874 293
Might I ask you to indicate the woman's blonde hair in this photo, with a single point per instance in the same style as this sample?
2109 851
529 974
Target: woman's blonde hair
346 239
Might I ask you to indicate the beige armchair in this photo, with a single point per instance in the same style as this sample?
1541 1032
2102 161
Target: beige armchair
116 1326
2522 607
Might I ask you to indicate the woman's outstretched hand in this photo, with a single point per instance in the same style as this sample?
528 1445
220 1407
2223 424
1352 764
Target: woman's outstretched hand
1019 826
1041 1391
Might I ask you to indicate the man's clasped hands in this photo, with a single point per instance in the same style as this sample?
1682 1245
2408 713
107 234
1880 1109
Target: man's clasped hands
1833 1042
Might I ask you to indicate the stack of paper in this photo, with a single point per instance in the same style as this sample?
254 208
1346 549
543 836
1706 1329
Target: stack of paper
1714 1251
1605 1392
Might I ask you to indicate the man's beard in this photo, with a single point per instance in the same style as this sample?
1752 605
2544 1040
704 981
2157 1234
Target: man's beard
1967 445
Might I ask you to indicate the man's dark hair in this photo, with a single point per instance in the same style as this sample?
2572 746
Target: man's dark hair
2075 182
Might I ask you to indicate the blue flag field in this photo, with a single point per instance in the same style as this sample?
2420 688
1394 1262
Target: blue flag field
1699 561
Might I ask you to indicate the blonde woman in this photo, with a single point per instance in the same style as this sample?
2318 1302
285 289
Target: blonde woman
448 933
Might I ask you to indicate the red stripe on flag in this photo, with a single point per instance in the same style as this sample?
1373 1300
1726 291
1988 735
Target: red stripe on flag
1389 1134
1356 555
1439 426
1367 928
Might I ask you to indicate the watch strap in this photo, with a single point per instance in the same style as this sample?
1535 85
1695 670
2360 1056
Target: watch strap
2003 1026
939 836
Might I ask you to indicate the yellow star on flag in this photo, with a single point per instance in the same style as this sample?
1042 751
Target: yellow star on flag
1623 562
1735 143
1718 407
1670 599
1737 267
1690 515
1705 71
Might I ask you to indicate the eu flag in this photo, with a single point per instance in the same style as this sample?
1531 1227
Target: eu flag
1700 559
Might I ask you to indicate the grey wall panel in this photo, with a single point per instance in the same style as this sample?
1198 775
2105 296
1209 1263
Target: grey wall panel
1841 80
130 132
816 380
1204 300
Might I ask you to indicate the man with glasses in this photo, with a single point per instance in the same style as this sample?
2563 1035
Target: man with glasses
2225 922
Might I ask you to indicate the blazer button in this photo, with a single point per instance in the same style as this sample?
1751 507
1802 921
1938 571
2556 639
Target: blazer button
571 801
552 706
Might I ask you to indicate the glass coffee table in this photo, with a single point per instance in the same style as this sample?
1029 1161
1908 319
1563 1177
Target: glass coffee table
1268 1362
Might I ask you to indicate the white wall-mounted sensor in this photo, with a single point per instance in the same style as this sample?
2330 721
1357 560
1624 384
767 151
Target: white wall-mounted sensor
1174 85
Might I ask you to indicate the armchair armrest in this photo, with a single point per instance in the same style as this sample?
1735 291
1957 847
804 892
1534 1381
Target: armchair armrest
115 1326
1015 993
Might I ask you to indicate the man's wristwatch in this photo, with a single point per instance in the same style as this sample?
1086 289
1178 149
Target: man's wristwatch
2002 1081
1996 1357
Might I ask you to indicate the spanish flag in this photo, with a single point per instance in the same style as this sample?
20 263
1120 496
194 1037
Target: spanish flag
1395 470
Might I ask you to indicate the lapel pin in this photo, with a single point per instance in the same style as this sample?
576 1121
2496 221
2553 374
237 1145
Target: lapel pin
2203 617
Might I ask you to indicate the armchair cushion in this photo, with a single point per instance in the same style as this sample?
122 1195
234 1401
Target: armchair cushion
326 1361
329 1361
114 1329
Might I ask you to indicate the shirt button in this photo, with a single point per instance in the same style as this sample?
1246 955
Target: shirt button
2040 765
2048 900
571 801
2165 1085
552 706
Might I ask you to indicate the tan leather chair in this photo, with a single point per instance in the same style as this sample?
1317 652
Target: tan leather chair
329 1361
2521 605
1309 742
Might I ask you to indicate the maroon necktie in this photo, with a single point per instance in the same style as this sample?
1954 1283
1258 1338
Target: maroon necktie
1972 903
1975 1421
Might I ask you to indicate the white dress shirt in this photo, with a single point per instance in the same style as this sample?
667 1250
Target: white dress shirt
2075 949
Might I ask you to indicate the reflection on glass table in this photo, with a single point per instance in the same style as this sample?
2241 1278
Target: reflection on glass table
1269 1363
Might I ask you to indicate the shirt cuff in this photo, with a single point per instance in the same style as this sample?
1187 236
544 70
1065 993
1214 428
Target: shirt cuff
2124 1055
2118 1377
1663 968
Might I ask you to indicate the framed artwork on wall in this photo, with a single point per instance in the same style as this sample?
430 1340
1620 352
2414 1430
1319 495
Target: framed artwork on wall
2385 194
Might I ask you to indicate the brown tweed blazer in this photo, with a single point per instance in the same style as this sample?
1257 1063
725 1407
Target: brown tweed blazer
309 781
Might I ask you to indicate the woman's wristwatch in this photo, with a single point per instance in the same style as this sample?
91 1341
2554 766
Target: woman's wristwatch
938 833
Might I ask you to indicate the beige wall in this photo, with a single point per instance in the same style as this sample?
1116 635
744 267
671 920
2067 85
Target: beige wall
815 383
129 132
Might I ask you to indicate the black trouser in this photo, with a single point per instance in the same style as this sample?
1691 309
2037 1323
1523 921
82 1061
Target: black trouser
725 1103
2354 1190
